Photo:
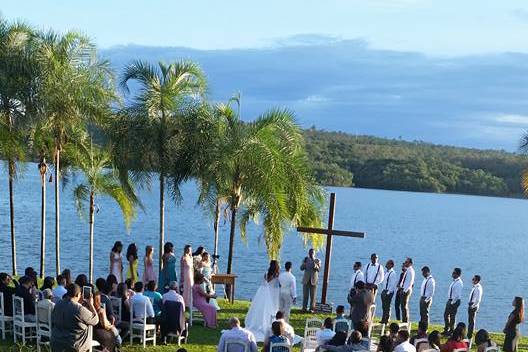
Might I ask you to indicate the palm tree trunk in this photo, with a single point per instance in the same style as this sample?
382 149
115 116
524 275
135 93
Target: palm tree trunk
57 214
162 220
12 214
92 218
216 223
42 222
231 239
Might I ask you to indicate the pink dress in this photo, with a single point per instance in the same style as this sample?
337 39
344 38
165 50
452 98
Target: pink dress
200 303
186 278
148 273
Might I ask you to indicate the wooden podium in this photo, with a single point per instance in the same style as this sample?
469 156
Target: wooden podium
226 279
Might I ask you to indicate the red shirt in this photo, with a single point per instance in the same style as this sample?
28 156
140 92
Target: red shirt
451 345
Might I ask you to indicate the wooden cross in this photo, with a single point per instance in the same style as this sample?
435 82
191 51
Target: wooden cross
329 232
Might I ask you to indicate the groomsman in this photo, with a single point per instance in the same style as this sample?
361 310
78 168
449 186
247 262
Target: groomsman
405 289
475 297
453 301
374 273
397 298
357 275
427 292
288 291
311 266
388 287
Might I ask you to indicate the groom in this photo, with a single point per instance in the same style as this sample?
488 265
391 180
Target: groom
310 266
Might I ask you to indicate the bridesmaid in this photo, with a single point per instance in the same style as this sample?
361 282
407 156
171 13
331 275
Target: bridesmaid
168 272
148 273
186 275
200 298
511 330
132 257
116 261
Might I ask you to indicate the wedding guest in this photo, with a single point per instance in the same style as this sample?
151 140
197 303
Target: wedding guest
102 289
483 341
70 321
66 274
453 301
130 287
104 332
385 344
48 282
512 335
23 290
374 273
8 292
434 340
289 332
339 339
168 271
197 258
81 280
475 297
148 262
341 323
326 333
360 304
116 261
420 335
132 257
406 289
111 282
173 295
363 328
277 335
310 266
45 305
354 344
393 332
389 287
288 291
60 289
199 297
140 305
32 274
455 342
186 275
403 344
427 292
155 297
123 295
237 333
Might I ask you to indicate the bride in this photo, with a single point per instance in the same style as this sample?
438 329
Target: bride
265 304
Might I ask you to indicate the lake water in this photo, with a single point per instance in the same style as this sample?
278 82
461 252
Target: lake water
483 235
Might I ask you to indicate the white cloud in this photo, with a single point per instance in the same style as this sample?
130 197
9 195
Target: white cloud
513 119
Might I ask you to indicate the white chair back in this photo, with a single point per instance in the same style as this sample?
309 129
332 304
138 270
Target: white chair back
18 309
6 322
372 312
419 341
313 323
2 308
117 308
280 347
239 345
492 349
310 339
139 327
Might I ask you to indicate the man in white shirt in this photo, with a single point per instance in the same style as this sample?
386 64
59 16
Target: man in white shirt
403 344
326 333
454 295
374 273
388 288
141 304
475 297
427 291
406 287
60 290
237 333
288 291
357 275
172 294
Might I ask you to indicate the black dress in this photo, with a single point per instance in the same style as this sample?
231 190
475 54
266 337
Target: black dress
511 333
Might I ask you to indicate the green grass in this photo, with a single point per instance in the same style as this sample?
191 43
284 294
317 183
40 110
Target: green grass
204 339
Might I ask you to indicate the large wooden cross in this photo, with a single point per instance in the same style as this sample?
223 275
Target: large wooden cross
329 232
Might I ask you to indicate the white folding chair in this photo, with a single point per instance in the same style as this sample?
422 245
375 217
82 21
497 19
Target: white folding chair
405 326
140 329
313 323
117 307
20 325
43 326
280 347
236 343
195 314
492 349
178 337
310 340
6 322
372 313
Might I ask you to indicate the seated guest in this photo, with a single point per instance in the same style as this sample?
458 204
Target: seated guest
354 344
70 321
66 274
130 286
483 341
48 282
277 336
237 333
111 282
122 293
326 333
339 339
403 344
172 294
199 298
289 332
385 344
60 289
8 292
393 333
82 280
102 288
45 305
360 303
104 332
155 297
455 341
421 334
434 340
32 274
140 304
363 328
24 291
341 322
463 331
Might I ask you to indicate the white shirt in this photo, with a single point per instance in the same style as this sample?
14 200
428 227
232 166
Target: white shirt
475 297
237 333
374 273
408 279
289 332
427 289
323 336
139 302
58 292
405 346
391 281
288 284
172 296
455 290
356 276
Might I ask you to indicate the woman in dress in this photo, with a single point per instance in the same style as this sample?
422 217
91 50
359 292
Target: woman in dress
111 283
265 304
148 273
197 258
104 332
186 275
200 298
132 257
208 272
168 272
511 330
116 261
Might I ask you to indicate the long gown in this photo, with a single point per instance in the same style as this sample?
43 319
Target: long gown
168 273
148 273
117 264
263 308
187 279
134 270
200 303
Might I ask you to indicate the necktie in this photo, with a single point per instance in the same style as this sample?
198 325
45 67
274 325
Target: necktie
471 297
425 286
366 273
451 289
388 278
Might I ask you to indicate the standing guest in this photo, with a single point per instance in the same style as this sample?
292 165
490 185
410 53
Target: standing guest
81 280
434 340
111 282
511 331
199 297
288 291
388 288
66 274
116 261
148 262
360 304
8 292
140 305
102 289
311 266
406 289
168 271
277 336
60 289
197 258
403 344
173 295
24 291
475 297
357 275
374 273
455 342
237 333
154 296
70 321
326 333
427 291
132 257
483 341
398 296
454 295
186 275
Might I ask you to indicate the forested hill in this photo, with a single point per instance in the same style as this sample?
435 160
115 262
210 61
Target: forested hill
341 159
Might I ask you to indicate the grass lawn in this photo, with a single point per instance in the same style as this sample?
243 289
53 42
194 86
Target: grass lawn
203 339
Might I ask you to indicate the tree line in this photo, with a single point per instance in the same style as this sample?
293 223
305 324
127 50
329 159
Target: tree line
63 105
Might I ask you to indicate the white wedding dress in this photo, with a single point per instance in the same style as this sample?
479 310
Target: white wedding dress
263 308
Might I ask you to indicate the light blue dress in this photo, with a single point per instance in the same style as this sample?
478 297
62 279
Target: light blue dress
168 273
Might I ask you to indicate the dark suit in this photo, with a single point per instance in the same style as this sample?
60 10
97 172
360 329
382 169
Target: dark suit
310 278
361 303
8 298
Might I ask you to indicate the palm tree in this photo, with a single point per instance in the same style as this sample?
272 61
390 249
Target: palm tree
16 80
147 130
76 89
100 179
